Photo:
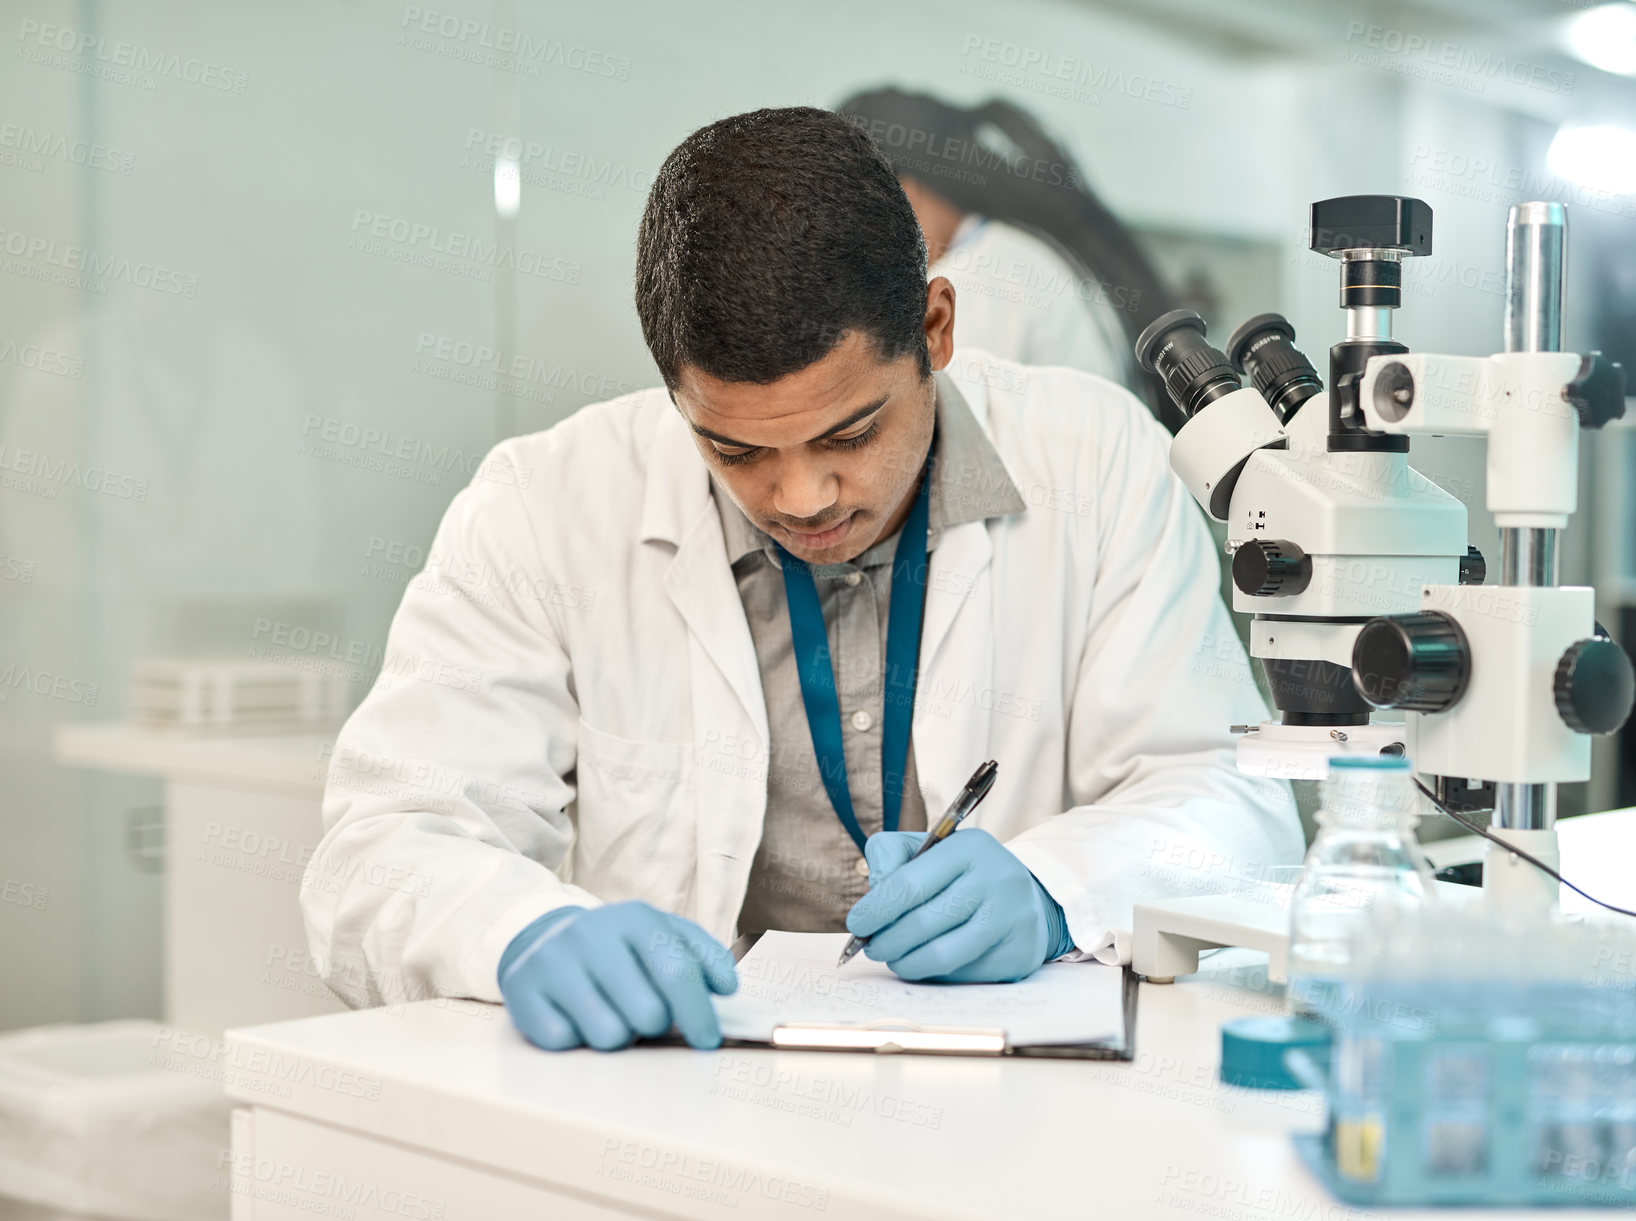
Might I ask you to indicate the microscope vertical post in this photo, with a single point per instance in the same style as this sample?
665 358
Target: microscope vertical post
1536 238
1536 245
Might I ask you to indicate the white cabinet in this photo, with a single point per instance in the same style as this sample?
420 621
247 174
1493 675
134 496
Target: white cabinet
241 823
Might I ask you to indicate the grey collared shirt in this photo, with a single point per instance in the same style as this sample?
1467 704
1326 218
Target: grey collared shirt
807 872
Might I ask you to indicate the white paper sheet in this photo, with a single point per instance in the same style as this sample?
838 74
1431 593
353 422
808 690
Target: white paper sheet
791 978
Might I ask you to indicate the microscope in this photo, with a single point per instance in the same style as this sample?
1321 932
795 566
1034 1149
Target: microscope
1371 618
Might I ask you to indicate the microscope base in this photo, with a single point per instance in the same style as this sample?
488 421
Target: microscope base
1168 936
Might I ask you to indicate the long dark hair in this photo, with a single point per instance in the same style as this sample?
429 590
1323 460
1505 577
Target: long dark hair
996 160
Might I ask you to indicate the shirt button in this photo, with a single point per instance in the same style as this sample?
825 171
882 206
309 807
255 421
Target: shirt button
862 867
853 578
861 720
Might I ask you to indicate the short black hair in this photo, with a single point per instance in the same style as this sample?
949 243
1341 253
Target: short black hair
767 237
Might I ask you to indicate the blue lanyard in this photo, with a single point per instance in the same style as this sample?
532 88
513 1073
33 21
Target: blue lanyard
812 661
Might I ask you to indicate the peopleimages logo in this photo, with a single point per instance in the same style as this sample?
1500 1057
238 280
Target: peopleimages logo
946 150
1050 73
15 677
1448 63
375 448
41 359
467 254
503 47
59 46
544 163
29 142
92 269
1493 182
479 360
45 474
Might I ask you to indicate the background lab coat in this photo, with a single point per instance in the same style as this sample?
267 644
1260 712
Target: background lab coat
571 691
1016 297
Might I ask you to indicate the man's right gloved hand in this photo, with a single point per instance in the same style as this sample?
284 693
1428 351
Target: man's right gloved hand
604 976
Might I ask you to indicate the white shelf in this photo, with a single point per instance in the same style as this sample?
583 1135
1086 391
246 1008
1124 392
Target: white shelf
282 763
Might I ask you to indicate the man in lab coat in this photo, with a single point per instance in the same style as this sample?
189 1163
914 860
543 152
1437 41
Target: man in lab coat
703 661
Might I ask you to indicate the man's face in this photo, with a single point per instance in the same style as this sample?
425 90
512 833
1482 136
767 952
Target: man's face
826 460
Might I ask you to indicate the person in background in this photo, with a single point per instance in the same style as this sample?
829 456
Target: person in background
1044 273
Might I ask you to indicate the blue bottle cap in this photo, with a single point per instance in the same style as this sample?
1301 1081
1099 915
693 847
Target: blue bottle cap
1252 1050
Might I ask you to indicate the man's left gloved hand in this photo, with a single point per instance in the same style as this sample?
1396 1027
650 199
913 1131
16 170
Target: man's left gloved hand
968 911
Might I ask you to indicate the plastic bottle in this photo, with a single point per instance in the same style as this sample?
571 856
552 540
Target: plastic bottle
1364 866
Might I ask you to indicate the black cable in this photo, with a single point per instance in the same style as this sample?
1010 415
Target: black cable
1483 831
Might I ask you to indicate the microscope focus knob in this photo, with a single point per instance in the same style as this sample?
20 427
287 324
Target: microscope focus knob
1597 391
1595 686
1473 568
1417 662
1271 568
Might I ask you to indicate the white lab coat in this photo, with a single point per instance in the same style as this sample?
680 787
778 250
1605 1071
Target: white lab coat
1016 297
574 694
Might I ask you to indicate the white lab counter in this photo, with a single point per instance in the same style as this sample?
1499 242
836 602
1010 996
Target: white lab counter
241 822
440 1110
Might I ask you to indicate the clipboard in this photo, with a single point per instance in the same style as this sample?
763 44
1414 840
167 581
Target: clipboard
903 1038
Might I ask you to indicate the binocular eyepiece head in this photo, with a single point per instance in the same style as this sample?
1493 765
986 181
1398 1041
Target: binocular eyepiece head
1264 348
1194 373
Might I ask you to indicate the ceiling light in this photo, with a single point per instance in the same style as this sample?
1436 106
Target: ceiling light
1605 38
508 186
1601 158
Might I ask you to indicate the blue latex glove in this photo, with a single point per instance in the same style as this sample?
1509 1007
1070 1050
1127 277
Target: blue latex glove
966 912
604 976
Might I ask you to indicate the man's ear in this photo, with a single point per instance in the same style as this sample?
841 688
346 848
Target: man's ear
940 322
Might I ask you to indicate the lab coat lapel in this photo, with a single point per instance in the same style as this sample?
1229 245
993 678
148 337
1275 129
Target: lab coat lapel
677 508
730 733
700 585
957 572
954 697
729 726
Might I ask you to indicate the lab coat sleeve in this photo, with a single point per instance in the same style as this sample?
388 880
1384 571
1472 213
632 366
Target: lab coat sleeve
445 807
1158 807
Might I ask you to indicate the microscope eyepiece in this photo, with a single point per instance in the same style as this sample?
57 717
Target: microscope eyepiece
1264 349
1194 373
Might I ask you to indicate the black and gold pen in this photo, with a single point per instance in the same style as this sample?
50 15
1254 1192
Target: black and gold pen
982 780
